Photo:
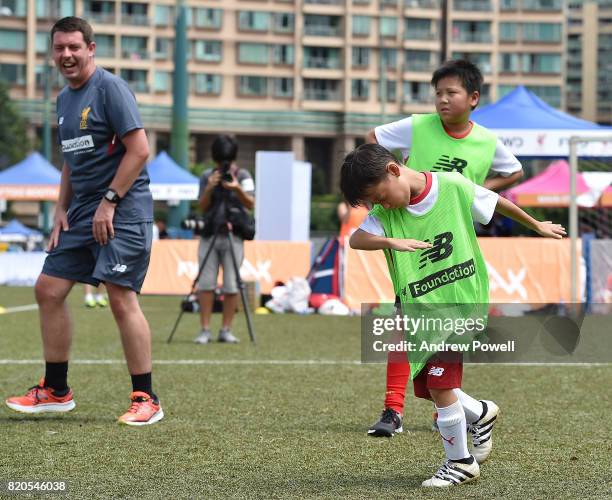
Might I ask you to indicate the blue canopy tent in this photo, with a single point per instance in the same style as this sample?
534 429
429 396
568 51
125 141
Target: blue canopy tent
171 182
530 127
16 232
33 179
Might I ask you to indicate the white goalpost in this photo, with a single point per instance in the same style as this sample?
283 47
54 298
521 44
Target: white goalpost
594 209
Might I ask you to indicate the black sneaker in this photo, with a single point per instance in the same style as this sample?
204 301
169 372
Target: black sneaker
389 424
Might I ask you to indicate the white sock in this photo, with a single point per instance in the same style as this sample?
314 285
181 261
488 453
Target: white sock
452 426
472 407
88 296
99 296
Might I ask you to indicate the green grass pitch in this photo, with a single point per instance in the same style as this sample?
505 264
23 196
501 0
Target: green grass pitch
261 422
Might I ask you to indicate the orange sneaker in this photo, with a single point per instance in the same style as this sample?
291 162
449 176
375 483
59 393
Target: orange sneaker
41 399
144 410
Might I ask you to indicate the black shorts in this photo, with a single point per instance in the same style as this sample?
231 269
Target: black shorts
123 261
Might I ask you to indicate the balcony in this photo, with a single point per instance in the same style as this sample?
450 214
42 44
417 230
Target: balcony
321 63
419 66
422 4
542 5
322 95
473 5
472 37
100 17
135 55
319 30
508 5
135 19
419 35
417 98
105 51
138 86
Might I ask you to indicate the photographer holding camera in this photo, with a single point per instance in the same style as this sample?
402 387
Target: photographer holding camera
226 195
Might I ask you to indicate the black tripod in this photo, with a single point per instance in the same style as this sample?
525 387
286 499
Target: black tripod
226 226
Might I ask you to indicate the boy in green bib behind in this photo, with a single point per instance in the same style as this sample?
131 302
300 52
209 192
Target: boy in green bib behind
425 222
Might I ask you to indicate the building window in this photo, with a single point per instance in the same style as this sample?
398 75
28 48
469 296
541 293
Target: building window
136 79
13 73
508 5
389 58
361 57
480 59
388 27
13 40
256 86
283 87
473 5
361 25
54 9
541 63
100 11
253 21
508 32
134 47
13 8
284 22
105 46
315 25
317 89
542 5
418 60
207 18
283 54
56 79
162 82
164 15
508 63
391 90
541 32
417 92
549 94
203 83
134 14
207 50
322 57
419 29
472 31
360 89
253 53
163 48
41 42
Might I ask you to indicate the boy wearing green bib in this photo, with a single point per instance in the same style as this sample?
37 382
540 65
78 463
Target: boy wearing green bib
445 141
424 222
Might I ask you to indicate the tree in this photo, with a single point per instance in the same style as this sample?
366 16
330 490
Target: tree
14 142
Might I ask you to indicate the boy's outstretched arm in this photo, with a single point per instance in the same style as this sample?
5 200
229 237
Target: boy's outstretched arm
546 228
499 182
362 240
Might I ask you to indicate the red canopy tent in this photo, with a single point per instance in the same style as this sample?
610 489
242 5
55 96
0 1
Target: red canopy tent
551 188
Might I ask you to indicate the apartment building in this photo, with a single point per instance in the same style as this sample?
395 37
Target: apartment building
308 75
589 62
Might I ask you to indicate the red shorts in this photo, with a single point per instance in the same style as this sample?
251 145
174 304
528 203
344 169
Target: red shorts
438 374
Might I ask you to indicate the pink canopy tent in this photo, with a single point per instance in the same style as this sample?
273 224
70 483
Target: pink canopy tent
551 188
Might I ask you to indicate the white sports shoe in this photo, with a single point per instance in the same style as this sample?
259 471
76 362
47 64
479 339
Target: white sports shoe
453 474
482 430
205 337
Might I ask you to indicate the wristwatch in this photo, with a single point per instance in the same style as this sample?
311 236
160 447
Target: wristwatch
112 197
